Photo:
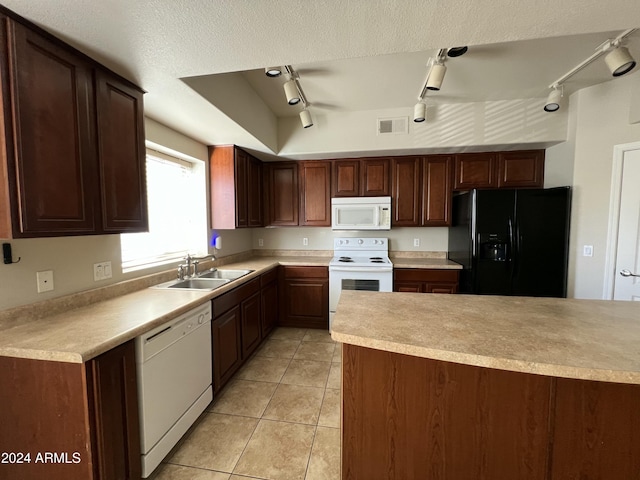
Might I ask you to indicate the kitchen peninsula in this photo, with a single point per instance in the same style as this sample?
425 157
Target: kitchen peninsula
488 387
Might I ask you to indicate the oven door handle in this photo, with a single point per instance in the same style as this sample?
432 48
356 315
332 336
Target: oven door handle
359 269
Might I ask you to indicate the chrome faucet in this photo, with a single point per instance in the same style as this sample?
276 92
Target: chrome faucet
197 260
191 260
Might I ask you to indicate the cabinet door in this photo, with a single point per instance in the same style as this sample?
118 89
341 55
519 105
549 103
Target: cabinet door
255 210
226 347
374 177
476 170
406 192
114 405
437 191
269 307
304 302
251 320
345 178
412 287
440 288
240 179
55 164
282 193
121 155
521 169
315 193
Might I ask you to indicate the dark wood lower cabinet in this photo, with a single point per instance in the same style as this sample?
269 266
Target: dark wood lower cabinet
84 414
269 294
406 417
304 300
251 324
422 280
114 403
227 351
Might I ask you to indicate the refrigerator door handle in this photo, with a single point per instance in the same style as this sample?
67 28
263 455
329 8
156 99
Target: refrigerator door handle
512 245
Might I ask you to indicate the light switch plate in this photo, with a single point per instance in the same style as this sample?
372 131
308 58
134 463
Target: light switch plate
587 251
101 271
45 281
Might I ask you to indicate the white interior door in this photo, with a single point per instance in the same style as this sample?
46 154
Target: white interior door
627 263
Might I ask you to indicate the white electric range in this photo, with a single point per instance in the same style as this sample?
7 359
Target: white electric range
358 264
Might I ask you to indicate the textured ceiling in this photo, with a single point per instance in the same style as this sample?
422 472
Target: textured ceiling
155 43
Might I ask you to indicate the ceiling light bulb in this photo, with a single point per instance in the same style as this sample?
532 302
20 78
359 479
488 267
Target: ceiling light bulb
305 118
457 51
291 91
273 71
619 61
553 101
436 75
419 112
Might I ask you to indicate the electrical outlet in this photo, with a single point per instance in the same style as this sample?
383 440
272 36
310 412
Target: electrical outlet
101 271
261 242
416 242
587 251
305 241
45 281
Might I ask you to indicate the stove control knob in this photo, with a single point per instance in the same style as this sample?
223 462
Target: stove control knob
360 242
375 242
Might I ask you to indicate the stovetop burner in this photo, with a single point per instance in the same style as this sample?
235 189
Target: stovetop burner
345 259
373 259
377 261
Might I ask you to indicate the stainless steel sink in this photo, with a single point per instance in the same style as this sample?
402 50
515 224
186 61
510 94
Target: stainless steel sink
224 274
195 283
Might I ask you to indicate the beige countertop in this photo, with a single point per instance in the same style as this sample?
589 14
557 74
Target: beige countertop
79 334
582 339
429 263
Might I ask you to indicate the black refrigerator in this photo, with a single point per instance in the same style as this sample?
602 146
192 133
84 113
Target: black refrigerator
512 242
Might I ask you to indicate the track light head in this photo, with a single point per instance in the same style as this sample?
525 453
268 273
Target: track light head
291 92
619 61
553 100
305 118
419 112
273 71
436 75
457 51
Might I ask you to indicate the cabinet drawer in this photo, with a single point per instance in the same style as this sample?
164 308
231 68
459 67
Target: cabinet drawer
233 298
306 272
270 276
424 275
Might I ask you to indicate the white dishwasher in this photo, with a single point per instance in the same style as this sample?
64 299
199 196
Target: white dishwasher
174 382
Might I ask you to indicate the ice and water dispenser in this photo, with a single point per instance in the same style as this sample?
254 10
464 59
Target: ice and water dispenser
493 247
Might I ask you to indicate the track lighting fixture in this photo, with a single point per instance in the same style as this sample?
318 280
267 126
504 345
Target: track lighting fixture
291 92
273 71
436 75
619 61
305 118
419 112
554 99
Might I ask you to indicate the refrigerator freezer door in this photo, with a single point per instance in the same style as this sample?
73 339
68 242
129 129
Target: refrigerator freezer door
542 236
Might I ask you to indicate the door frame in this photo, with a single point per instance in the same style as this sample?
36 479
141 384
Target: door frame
614 217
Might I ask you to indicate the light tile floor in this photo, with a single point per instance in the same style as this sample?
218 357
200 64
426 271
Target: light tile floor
277 419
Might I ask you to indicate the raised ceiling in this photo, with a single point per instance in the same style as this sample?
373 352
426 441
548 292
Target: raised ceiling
340 48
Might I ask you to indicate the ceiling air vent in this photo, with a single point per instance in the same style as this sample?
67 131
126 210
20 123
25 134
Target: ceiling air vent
393 126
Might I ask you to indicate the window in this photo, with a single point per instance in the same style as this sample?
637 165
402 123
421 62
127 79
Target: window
176 195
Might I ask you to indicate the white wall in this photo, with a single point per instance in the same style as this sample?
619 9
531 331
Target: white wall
72 258
432 239
454 127
602 121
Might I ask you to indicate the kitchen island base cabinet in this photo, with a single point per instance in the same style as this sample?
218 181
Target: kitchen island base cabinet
77 421
407 417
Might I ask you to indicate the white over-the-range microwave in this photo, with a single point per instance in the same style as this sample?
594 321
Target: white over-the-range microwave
361 213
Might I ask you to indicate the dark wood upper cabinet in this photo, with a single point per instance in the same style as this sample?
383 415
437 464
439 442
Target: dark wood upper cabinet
437 190
72 140
121 156
360 177
521 169
374 177
476 170
345 176
236 188
54 170
406 191
315 193
282 193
